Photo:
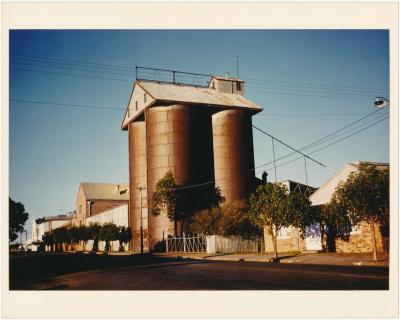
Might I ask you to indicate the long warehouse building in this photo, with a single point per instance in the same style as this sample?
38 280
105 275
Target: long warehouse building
199 133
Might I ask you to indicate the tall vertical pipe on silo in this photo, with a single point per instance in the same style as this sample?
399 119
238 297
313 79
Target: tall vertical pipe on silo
169 148
233 153
137 178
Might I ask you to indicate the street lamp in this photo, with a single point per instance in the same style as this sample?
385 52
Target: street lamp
381 102
141 219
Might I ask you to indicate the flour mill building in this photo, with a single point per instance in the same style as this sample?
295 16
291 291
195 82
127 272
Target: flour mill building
199 133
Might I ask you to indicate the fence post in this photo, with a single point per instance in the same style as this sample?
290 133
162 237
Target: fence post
166 244
184 242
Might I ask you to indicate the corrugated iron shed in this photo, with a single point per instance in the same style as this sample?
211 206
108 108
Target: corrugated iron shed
176 93
105 191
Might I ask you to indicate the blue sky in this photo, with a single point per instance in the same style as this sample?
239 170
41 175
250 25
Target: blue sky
309 83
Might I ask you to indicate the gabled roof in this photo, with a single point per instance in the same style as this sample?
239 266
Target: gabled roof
179 93
105 191
324 193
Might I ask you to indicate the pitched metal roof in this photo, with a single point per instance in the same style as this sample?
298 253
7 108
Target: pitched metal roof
105 191
324 194
179 93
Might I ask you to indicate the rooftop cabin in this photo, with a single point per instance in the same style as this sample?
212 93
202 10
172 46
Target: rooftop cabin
174 87
227 85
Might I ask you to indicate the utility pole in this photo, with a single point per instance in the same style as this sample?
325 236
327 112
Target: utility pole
141 219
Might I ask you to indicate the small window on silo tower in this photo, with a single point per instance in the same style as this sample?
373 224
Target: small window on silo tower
238 86
145 97
136 104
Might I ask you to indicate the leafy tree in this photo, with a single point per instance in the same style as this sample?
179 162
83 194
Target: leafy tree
226 220
124 236
60 236
48 239
74 235
273 207
165 198
94 234
108 232
17 219
335 222
83 235
365 194
206 221
235 221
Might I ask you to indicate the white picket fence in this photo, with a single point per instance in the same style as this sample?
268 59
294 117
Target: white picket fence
214 244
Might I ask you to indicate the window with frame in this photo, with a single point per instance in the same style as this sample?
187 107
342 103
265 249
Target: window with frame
238 86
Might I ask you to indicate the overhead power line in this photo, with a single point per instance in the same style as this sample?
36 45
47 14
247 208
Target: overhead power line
341 96
326 146
262 114
313 84
73 69
65 104
248 80
71 60
320 140
71 74
290 147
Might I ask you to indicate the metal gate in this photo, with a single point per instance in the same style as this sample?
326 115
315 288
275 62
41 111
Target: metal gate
186 244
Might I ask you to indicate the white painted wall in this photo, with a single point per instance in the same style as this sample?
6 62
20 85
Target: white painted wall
118 216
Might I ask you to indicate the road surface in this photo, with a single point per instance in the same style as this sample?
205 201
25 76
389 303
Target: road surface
221 275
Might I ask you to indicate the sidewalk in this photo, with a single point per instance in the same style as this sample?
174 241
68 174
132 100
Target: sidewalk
339 259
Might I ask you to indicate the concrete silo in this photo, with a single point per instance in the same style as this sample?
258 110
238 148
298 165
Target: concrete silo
169 148
233 153
199 133
137 178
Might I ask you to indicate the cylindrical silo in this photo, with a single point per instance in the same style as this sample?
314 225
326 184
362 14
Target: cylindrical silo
137 178
169 147
233 153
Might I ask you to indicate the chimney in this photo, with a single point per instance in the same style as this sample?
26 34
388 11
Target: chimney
264 178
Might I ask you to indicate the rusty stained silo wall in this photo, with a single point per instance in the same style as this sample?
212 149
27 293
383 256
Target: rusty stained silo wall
233 153
169 147
137 177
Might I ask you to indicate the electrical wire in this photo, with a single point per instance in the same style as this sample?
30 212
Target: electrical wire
316 142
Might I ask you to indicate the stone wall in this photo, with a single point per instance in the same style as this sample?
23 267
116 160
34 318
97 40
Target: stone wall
361 242
293 242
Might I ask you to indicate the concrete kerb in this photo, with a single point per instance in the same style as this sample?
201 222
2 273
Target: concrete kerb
301 258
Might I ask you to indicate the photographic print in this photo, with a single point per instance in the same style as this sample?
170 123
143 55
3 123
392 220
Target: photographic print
189 160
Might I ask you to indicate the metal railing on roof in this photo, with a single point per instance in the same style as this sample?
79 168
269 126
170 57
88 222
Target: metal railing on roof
172 76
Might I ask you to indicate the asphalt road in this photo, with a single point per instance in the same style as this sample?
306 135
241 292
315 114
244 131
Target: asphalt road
219 275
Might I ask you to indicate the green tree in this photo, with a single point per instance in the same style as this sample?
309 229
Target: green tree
273 207
335 223
48 239
60 236
74 235
226 220
365 194
165 198
206 221
108 232
17 219
83 235
94 234
124 236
